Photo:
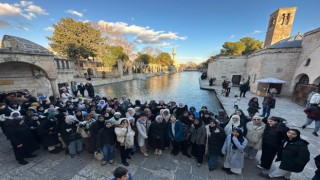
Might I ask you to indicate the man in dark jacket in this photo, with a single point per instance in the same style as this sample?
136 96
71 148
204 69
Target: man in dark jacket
243 89
268 104
313 114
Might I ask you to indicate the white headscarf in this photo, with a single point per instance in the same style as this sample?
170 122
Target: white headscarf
231 124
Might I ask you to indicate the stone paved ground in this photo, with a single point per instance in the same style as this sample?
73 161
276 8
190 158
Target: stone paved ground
84 167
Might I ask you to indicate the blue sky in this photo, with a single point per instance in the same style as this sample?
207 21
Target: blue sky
196 28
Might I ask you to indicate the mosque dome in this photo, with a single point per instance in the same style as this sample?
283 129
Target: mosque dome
291 42
22 45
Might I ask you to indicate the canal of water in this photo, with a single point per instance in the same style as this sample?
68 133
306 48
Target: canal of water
180 87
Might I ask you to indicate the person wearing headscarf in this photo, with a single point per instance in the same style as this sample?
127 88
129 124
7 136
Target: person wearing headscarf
125 136
253 106
102 103
233 150
273 135
198 140
255 130
70 135
165 114
143 126
130 113
22 141
221 117
94 128
293 156
49 135
234 122
215 140
180 109
157 134
116 118
106 139
206 118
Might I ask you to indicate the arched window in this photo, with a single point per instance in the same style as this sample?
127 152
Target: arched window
304 79
288 18
307 62
283 18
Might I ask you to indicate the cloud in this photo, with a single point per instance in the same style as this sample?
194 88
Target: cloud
23 28
36 9
184 60
71 11
25 9
4 24
50 28
9 10
256 32
142 35
232 36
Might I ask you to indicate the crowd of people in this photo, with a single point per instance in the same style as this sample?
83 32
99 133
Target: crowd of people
105 125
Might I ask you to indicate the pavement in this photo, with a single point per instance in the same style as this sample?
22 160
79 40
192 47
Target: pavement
284 108
61 167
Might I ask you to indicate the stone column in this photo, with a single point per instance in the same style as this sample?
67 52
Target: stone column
120 67
129 64
54 87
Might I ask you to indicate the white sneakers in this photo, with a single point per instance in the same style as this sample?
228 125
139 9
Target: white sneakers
146 154
159 152
156 151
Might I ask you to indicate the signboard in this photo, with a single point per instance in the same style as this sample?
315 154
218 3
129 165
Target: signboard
106 69
6 82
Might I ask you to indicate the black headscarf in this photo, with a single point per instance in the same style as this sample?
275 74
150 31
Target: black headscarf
240 138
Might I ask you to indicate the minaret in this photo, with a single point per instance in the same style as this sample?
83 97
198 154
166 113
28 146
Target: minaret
280 24
174 55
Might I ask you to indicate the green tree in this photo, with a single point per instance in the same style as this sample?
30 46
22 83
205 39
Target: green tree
251 45
75 39
164 59
233 48
145 58
112 54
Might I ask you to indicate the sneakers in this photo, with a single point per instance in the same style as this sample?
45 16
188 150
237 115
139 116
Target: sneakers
103 163
23 162
260 167
156 151
146 154
304 126
159 152
125 163
265 175
315 133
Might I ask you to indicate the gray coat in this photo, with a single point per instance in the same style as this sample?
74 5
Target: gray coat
234 157
198 136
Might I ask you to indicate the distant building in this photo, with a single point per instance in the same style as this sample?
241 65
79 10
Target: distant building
295 60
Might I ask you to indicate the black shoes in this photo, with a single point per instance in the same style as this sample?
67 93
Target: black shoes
225 169
188 155
55 151
125 163
23 162
30 156
211 169
315 133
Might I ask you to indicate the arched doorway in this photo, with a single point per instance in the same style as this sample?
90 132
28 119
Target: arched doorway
302 89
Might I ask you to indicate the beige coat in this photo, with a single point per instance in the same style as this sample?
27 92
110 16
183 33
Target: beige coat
254 135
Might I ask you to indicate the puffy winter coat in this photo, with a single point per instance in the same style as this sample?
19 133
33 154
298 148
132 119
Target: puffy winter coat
294 156
254 135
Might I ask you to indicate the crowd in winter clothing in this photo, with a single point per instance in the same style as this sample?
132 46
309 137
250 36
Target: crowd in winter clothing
105 125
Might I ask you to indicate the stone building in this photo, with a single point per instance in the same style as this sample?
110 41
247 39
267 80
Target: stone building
296 60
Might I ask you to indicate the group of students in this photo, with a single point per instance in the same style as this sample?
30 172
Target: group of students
105 124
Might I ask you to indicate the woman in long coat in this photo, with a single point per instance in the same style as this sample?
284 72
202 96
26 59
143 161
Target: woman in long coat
198 140
21 139
142 126
294 155
157 134
273 135
216 137
175 134
233 150
254 135
253 106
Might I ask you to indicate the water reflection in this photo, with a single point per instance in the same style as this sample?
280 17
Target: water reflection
181 87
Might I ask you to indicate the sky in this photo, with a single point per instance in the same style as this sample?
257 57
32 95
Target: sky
196 28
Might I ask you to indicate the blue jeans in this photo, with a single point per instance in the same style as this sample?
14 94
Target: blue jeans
213 161
75 147
108 152
317 124
266 111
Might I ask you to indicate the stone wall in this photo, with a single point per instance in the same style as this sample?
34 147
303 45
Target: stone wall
24 76
225 67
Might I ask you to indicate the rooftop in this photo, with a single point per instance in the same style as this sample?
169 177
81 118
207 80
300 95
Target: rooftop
291 42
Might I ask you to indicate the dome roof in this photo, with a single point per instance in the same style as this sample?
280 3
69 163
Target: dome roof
291 42
23 45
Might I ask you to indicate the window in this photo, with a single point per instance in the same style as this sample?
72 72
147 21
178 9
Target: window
283 18
307 62
288 18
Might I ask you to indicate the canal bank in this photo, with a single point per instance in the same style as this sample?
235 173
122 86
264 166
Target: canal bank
284 108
